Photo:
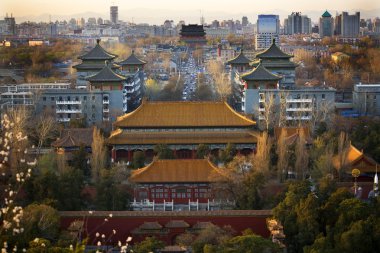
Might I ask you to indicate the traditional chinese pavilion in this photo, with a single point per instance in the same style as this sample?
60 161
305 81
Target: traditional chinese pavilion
193 35
93 62
72 139
260 77
277 62
182 126
240 62
107 79
179 181
132 63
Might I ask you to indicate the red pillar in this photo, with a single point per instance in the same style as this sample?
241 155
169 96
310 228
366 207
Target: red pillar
193 154
129 155
175 153
113 154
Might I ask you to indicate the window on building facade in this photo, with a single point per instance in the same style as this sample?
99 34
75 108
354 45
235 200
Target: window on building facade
68 98
93 97
323 96
44 98
52 98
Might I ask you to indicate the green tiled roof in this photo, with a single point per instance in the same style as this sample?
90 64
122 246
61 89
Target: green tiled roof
97 53
106 75
239 59
273 52
260 73
132 60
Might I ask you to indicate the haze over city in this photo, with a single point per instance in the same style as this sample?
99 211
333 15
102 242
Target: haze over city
155 12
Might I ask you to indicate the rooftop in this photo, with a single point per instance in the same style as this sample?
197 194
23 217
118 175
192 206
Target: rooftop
178 171
106 75
97 53
74 137
183 114
273 52
260 73
326 14
132 60
239 59
182 137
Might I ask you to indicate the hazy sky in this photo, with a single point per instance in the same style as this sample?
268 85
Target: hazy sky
127 8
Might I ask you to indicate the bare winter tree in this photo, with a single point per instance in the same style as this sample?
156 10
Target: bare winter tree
343 148
45 127
267 114
98 155
19 117
320 113
221 82
261 160
283 156
302 156
281 112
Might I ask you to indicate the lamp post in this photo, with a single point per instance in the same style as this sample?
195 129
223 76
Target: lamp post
355 173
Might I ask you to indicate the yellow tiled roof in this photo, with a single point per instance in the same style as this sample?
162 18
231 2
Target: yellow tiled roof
185 137
354 155
183 114
178 171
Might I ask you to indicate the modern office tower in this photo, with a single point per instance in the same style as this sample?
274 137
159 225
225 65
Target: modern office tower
244 21
326 25
8 25
100 21
114 14
268 28
338 24
297 24
350 25
376 25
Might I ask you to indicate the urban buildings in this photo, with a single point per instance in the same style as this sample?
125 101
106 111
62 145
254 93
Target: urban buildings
366 99
326 25
268 28
8 26
114 14
269 92
297 24
350 25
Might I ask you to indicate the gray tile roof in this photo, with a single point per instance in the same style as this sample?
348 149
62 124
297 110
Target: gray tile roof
273 52
97 53
98 65
132 60
239 59
260 73
106 75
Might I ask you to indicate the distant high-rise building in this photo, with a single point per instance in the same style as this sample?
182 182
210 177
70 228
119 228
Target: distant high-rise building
114 14
350 25
215 24
91 21
326 25
376 25
338 25
244 21
100 21
8 26
297 24
268 28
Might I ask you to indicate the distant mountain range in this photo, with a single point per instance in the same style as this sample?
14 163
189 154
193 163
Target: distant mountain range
158 16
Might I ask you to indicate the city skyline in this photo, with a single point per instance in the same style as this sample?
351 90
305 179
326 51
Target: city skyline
156 12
